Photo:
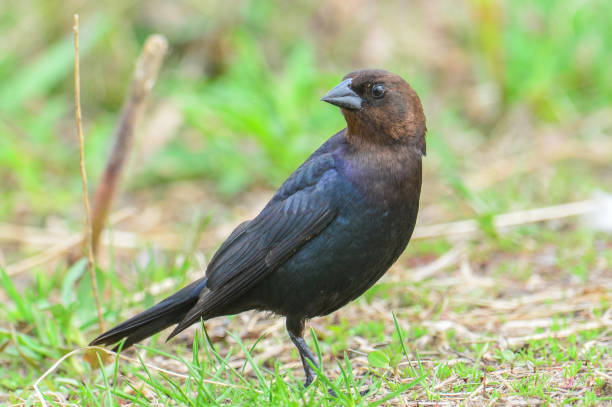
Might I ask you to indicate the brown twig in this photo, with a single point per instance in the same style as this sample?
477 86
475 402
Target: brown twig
145 75
77 104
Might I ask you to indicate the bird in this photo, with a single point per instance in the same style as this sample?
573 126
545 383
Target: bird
331 230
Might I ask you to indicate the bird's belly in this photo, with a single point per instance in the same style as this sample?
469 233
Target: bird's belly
337 266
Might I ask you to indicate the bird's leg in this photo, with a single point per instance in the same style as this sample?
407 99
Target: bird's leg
295 330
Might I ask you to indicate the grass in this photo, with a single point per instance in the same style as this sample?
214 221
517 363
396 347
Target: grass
452 362
491 334
517 96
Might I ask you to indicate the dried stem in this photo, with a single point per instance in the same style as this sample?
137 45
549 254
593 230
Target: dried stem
145 75
466 227
77 104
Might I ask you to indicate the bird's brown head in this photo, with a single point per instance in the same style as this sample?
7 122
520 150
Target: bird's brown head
379 107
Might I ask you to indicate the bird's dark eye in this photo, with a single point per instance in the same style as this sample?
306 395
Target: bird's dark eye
378 91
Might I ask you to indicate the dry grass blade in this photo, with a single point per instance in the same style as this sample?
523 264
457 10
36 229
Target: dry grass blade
447 259
46 256
87 240
508 219
564 333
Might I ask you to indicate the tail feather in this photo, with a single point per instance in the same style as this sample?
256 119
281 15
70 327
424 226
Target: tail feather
168 312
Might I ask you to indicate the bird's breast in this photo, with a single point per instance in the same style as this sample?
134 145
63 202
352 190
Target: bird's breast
389 182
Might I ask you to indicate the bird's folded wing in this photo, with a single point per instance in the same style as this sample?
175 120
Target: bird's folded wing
300 210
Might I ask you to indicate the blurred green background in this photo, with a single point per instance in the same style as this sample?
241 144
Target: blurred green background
237 101
518 97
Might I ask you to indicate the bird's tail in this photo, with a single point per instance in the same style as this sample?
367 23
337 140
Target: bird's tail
168 312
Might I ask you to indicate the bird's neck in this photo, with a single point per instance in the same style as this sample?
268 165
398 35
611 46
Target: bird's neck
389 172
403 138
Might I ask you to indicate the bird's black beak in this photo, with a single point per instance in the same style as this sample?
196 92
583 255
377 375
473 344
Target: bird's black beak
343 96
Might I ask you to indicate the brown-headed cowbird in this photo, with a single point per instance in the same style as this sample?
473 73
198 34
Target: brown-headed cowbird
333 228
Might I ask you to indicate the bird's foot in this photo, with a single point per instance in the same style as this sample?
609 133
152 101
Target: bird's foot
308 381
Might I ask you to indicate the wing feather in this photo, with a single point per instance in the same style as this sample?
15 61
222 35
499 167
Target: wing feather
299 211
301 208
